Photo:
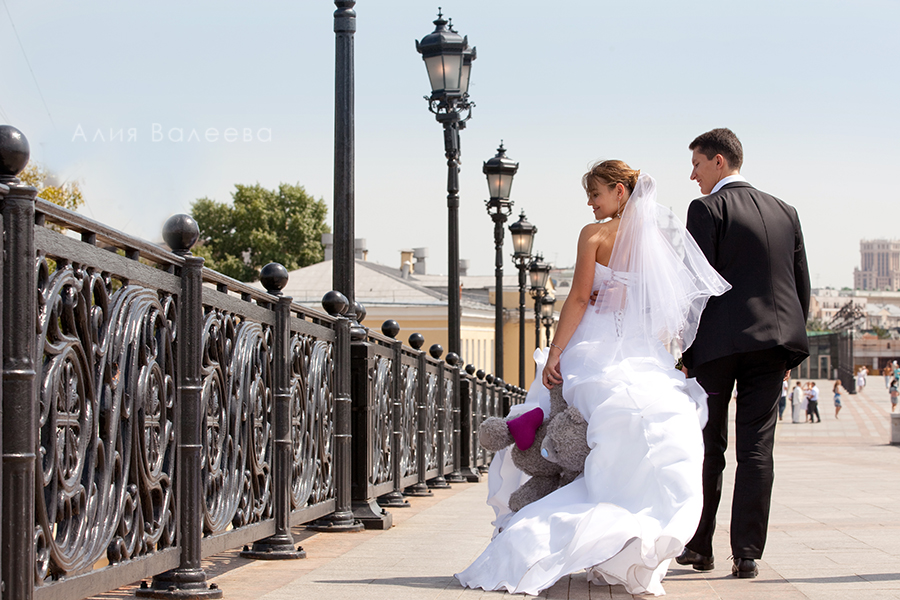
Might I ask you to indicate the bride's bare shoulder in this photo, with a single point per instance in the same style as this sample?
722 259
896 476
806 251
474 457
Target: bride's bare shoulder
599 231
597 240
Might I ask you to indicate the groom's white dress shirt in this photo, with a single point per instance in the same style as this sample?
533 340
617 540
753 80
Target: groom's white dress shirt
727 180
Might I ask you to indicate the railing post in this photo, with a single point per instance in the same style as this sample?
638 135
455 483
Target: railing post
420 488
494 409
468 431
19 427
394 498
517 397
365 506
189 579
484 413
3 191
506 398
456 475
341 520
279 546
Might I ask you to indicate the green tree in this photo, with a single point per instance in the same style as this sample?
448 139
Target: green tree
260 226
816 325
67 194
881 332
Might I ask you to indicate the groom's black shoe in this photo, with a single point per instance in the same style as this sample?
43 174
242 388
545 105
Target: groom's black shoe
697 560
744 568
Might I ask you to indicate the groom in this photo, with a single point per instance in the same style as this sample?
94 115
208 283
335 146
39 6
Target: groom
750 336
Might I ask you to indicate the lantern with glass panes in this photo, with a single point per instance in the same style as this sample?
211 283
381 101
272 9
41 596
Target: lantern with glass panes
539 271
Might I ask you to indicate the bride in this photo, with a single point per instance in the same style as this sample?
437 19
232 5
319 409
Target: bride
639 288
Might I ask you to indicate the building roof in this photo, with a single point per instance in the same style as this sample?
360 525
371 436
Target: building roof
377 284
889 310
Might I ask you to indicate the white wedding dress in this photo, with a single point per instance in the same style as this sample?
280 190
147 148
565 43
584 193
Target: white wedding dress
640 497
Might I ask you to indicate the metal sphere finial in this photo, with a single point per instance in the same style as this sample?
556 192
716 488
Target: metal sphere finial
416 340
452 359
180 233
14 151
470 369
390 328
360 311
274 277
436 350
335 303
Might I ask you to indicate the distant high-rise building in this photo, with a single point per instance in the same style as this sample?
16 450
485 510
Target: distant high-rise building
879 265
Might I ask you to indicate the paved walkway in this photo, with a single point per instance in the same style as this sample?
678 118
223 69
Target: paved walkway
834 532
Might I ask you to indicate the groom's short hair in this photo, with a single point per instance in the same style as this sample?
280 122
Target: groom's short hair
720 141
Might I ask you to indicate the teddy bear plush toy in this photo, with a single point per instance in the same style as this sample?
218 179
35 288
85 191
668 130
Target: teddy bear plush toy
552 451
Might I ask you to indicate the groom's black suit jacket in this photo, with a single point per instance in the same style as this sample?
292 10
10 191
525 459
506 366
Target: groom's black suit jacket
754 241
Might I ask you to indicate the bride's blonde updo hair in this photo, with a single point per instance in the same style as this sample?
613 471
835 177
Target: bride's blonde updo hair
610 172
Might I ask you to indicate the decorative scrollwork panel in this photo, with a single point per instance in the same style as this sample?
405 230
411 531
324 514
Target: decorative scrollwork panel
447 450
432 396
408 425
237 435
478 418
381 420
312 423
106 439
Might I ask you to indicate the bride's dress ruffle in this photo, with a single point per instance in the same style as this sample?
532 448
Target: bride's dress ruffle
636 505
640 497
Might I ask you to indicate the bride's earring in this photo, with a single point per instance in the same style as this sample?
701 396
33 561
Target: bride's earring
619 212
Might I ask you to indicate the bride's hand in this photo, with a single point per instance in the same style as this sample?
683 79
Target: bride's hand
551 375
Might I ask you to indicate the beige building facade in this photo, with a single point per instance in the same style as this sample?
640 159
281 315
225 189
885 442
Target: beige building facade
880 308
419 305
879 265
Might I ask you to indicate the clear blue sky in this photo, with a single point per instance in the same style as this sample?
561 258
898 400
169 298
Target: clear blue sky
811 88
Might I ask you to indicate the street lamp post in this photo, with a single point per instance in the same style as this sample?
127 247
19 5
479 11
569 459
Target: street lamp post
547 304
448 60
500 171
540 273
344 265
523 239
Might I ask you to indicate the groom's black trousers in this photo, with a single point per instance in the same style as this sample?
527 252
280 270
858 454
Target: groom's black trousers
758 376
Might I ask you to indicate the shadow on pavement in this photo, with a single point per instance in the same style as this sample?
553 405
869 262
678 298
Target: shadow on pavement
868 578
437 582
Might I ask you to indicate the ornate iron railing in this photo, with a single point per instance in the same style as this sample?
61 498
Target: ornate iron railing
156 412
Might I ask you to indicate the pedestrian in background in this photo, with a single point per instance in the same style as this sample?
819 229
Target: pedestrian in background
806 390
895 392
860 380
785 388
812 399
797 400
837 397
886 371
